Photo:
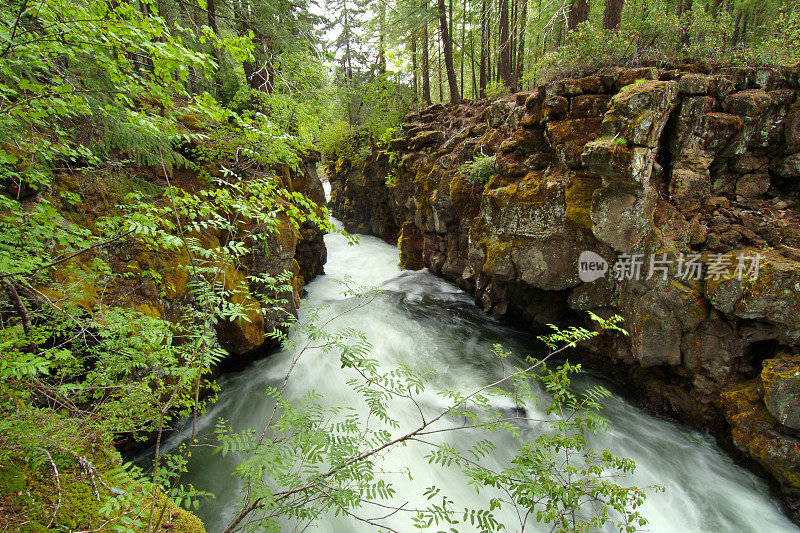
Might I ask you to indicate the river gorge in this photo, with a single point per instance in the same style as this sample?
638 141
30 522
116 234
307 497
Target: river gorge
422 320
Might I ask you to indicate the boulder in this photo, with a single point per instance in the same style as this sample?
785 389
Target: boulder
655 331
498 112
721 87
531 140
792 126
694 84
640 111
781 378
426 138
752 185
620 219
690 183
618 164
788 167
634 75
750 103
568 137
754 432
711 349
769 292
411 244
554 108
589 105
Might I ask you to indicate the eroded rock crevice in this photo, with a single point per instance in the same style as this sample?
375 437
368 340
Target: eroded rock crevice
683 168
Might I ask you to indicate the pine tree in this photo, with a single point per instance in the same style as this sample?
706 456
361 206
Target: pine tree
346 16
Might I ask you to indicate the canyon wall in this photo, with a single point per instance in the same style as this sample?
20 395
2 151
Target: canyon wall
300 251
156 283
681 181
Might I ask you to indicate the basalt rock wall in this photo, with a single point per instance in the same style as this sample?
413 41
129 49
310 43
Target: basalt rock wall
271 251
686 178
300 251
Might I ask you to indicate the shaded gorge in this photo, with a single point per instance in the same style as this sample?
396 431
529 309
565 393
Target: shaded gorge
420 321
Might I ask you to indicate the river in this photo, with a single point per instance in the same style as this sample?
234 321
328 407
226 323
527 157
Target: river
423 321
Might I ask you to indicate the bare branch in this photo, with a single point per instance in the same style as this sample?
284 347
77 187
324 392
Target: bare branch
68 257
19 306
58 487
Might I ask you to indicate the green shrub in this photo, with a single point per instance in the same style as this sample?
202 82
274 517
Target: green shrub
665 36
496 89
387 136
232 82
340 139
332 138
480 170
370 112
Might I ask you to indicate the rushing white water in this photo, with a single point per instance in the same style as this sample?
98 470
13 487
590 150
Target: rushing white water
426 321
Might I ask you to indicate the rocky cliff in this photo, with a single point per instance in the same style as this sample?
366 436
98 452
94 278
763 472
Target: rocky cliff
300 251
156 283
84 433
681 182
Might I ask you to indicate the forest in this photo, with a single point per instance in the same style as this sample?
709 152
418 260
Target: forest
162 219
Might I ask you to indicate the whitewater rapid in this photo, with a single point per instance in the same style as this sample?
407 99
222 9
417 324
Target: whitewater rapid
424 321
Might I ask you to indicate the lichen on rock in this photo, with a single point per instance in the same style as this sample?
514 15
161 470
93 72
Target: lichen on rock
781 378
684 161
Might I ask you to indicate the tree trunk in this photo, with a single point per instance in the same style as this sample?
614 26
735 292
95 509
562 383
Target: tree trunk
212 16
462 55
736 26
613 14
426 72
451 21
484 42
490 71
687 11
439 68
414 65
472 69
578 12
447 42
541 40
560 33
512 43
257 76
270 72
382 38
347 60
18 304
743 34
503 50
523 21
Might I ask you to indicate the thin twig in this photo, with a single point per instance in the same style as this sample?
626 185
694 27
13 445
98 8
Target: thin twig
58 487
22 10
66 258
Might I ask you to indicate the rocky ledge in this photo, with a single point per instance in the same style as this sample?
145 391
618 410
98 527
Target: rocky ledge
681 181
164 292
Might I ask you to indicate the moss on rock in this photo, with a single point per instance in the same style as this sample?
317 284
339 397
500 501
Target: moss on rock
578 197
754 432
34 499
781 379
410 243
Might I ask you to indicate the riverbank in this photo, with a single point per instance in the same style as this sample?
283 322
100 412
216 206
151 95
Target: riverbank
423 321
684 161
